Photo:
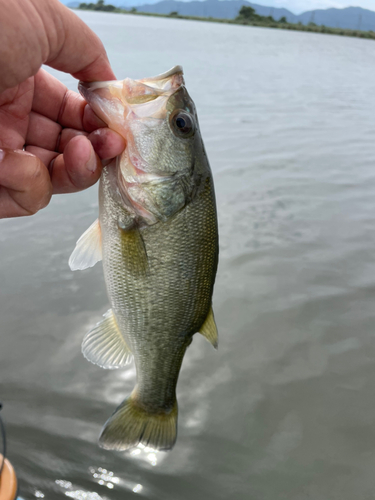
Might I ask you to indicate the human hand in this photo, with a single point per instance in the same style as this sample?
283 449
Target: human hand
63 139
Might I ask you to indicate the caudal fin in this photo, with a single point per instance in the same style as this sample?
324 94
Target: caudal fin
131 425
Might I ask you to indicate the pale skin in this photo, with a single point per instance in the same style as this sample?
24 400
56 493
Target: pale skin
50 140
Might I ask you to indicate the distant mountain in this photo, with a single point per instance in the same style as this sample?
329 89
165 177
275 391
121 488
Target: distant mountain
350 17
125 4
223 9
354 18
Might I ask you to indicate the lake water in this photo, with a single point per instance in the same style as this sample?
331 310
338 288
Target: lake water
286 408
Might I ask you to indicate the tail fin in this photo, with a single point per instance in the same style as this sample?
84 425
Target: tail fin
131 425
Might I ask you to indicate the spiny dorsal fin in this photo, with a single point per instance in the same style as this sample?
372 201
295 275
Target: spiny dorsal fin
88 250
209 330
104 344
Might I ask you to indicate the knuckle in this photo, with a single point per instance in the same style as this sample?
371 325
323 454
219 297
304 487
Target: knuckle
39 186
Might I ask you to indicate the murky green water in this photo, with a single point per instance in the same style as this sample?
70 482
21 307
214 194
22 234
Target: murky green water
286 408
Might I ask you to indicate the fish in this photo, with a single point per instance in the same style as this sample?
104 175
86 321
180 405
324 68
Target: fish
157 237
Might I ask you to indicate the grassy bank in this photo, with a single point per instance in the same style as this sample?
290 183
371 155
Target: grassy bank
246 17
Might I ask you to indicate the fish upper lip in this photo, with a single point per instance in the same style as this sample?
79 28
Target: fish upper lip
173 76
173 71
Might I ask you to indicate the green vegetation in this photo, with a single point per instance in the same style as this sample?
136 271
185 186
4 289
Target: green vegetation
246 16
99 5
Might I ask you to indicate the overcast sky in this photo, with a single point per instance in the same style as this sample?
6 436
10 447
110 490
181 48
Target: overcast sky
298 6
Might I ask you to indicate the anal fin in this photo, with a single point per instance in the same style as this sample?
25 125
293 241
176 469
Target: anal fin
104 344
209 329
88 250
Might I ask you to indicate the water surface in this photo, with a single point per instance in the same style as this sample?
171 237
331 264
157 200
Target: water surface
286 408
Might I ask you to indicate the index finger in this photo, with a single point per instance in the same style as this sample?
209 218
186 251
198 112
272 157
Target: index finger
53 100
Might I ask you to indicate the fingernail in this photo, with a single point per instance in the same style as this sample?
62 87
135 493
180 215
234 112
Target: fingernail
2 154
91 164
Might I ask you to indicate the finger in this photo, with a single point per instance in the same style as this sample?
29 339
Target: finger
45 31
53 100
90 120
42 132
25 185
44 155
66 136
24 43
77 50
107 143
78 168
15 106
49 94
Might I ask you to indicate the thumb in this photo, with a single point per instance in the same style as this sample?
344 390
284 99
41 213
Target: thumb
25 184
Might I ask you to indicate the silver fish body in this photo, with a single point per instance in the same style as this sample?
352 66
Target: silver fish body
159 245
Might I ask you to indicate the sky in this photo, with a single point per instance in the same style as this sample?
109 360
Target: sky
298 6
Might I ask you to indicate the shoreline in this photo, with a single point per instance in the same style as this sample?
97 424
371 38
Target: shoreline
369 35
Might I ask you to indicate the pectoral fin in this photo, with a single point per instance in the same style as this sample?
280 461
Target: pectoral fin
133 251
209 330
105 346
88 250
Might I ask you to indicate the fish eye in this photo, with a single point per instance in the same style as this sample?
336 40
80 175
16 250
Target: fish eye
183 124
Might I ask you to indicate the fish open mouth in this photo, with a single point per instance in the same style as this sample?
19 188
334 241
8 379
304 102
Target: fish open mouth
147 98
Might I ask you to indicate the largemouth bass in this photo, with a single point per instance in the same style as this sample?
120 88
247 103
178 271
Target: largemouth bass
157 236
